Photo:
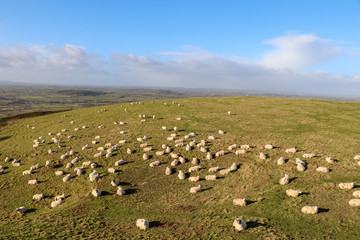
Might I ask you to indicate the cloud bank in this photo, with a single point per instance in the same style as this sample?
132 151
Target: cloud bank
280 69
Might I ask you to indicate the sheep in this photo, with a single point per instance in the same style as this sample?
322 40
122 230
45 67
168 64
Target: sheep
69 165
269 146
220 153
194 169
175 162
209 156
100 149
194 179
107 145
308 155
129 151
147 149
213 169
72 152
7 159
239 225
247 147
94 176
56 203
60 197
301 167
232 147
160 153
96 193
356 194
66 178
79 171
38 196
262 156
122 141
196 189
97 155
181 175
21 210
229 112
120 191
168 149
175 129
354 202
59 173
16 163
27 172
280 161
114 183
330 160
33 181
163 128
174 155
322 169
94 142
348 185
111 170
210 177
85 147
119 162
221 132
284 180
233 167
195 161
240 151
188 148
240 202
168 171
155 163
85 164
225 171
143 224
291 150
145 156
293 193
93 165
310 209
202 149
357 157
75 160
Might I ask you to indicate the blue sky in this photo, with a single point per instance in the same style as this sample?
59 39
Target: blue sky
286 46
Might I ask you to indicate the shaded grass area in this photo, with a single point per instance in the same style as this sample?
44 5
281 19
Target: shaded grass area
322 127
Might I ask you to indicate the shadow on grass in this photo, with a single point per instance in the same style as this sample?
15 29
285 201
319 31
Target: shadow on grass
106 193
124 183
4 138
130 191
155 224
292 179
252 224
323 210
205 189
30 210
249 202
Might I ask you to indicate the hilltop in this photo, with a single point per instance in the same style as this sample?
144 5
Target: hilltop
325 128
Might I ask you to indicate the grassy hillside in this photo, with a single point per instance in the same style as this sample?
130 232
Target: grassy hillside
328 129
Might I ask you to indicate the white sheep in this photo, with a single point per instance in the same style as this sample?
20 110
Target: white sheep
96 193
60 197
69 165
220 153
239 225
356 194
181 175
93 165
145 156
129 151
225 171
284 180
209 156
210 177
56 203
196 189
354 202
66 178
143 224
160 153
85 147
155 163
27 172
168 171
357 157
322 169
246 146
195 161
262 156
232 147
120 191
240 201
38 196
293 193
194 169
240 151
280 161
182 160
291 150
94 176
269 146
233 167
115 183
310 209
308 155
75 160
213 169
37 166
175 162
79 171
348 185
301 167
59 173
21 210
194 179
221 132
33 181
119 162
329 160
111 170
147 149
86 164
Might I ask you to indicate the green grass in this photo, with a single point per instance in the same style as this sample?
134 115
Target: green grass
323 127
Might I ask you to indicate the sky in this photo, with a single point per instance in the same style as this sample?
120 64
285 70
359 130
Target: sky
307 47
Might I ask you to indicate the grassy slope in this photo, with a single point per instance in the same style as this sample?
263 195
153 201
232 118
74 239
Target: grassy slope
323 127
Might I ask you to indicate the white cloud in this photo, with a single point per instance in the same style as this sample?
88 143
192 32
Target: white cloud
300 52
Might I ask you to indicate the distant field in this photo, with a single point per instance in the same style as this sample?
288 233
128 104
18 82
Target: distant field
325 128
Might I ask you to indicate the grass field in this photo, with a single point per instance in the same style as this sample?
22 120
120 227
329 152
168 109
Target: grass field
328 129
